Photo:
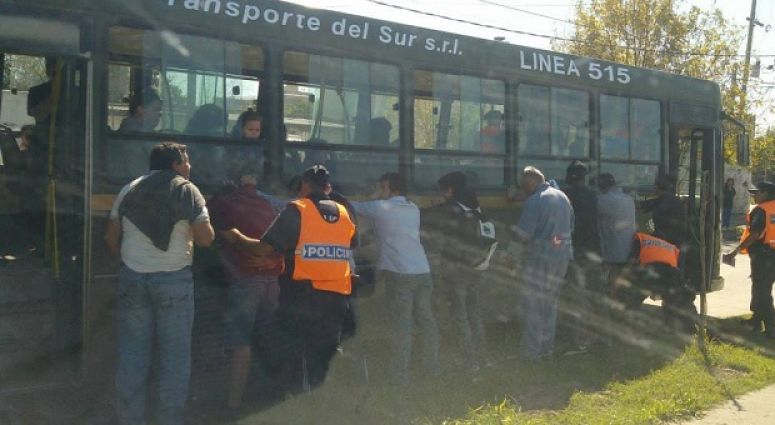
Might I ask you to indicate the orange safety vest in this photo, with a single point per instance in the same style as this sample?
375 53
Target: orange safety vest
655 250
323 252
768 237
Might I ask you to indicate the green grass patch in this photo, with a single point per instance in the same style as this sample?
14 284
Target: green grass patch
688 385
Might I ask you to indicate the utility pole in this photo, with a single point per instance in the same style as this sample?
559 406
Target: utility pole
747 64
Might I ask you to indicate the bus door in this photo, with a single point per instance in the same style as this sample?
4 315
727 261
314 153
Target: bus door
41 207
693 153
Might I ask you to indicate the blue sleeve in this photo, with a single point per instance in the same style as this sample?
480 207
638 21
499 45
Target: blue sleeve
528 221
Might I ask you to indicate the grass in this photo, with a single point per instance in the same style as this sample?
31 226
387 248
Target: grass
688 385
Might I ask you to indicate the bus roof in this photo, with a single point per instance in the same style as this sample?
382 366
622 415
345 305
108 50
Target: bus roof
290 26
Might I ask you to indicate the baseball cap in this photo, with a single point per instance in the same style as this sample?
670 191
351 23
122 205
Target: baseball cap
765 186
317 174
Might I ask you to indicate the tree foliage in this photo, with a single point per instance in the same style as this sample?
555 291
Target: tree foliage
763 157
664 35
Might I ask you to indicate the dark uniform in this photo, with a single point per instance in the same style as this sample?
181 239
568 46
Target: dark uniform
657 273
761 220
311 311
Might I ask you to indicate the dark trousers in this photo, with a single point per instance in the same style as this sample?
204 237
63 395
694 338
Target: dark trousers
762 279
668 284
309 327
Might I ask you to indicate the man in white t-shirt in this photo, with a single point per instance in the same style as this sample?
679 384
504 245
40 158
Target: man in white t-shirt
154 223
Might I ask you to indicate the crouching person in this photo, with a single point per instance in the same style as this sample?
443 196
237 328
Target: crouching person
655 272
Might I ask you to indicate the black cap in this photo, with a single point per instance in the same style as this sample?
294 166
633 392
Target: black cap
765 186
317 174
577 170
606 181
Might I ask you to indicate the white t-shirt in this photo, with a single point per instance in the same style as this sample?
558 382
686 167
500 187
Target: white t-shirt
141 255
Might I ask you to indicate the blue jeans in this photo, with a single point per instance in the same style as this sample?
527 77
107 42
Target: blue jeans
162 302
408 298
541 283
726 217
252 302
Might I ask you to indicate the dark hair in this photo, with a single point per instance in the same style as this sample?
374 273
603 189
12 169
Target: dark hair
396 182
606 181
576 171
243 118
143 98
207 121
458 182
166 154
665 182
493 115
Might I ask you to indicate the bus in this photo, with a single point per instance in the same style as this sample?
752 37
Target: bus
361 95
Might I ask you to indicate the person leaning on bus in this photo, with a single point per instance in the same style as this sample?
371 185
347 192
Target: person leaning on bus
759 242
316 236
154 223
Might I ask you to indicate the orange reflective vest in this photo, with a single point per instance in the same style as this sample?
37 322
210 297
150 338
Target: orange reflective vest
323 252
655 250
768 237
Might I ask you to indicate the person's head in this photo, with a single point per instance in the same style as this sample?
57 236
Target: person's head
730 182
605 182
391 184
576 172
208 120
532 177
664 183
170 156
51 67
250 125
452 184
315 179
493 118
247 174
379 131
146 105
763 192
27 133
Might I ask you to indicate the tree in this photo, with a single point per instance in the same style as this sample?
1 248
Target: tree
763 157
663 35
23 72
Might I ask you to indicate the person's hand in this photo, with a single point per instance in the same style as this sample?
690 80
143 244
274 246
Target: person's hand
263 263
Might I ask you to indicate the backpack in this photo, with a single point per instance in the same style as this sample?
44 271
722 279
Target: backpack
481 237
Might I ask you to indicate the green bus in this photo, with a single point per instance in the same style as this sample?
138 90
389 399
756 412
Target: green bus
361 95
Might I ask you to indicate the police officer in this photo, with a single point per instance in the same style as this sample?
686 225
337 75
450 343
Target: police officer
316 236
759 241
668 211
656 272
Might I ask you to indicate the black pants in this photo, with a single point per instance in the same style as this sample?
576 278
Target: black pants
668 284
309 328
762 279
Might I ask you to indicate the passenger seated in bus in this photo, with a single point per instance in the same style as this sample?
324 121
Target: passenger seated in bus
492 138
208 120
40 99
248 126
144 112
379 131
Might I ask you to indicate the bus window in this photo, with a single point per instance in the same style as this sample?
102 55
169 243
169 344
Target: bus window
553 121
629 128
340 101
163 83
553 169
631 175
460 113
203 84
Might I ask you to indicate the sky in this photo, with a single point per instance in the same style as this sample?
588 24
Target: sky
525 16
